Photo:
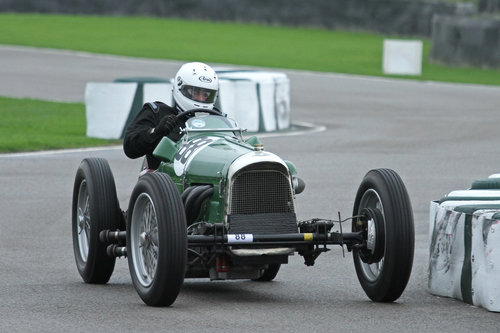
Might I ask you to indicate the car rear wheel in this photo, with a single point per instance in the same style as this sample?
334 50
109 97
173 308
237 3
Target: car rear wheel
95 208
156 239
383 200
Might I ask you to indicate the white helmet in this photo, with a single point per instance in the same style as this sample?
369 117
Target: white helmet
195 86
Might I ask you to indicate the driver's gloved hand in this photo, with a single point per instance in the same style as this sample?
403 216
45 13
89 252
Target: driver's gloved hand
166 125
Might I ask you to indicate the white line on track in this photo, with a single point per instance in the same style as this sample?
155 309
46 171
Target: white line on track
309 128
60 151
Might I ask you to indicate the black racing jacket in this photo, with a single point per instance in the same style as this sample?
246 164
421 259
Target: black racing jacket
138 141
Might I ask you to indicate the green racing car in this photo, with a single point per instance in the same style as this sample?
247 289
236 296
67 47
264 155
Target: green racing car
221 207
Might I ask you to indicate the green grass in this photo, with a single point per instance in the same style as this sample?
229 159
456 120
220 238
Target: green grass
29 125
226 43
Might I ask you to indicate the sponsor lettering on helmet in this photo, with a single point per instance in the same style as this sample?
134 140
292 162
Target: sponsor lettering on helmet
205 79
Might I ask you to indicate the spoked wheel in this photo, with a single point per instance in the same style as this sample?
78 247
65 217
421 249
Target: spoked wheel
156 239
384 264
95 208
269 273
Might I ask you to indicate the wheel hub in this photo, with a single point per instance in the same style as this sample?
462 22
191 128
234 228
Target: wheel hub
371 236
143 239
373 226
81 222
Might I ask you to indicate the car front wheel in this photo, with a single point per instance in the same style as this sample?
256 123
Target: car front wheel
384 264
156 239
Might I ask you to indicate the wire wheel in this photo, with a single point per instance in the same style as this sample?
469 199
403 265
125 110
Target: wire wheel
95 208
156 239
144 239
385 274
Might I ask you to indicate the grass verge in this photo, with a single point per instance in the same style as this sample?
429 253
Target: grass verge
226 43
29 125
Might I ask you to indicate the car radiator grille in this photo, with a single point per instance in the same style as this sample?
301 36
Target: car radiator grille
261 191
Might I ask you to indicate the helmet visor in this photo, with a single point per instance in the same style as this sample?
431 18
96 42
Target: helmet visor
198 94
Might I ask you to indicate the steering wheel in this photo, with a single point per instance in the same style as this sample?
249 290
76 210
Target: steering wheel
188 113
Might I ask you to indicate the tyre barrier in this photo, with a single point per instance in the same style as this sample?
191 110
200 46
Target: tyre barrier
259 101
464 258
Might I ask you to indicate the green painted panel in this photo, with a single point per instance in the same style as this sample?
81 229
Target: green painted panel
466 278
470 209
468 199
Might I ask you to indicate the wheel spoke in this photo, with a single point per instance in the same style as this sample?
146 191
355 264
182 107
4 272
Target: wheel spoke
87 227
154 237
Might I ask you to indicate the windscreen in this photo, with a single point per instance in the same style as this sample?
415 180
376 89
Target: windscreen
210 121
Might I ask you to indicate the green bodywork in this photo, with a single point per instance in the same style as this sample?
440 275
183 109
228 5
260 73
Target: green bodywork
203 156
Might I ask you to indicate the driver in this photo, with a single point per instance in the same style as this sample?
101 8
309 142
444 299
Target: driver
195 86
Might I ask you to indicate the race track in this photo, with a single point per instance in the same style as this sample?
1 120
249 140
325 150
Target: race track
438 137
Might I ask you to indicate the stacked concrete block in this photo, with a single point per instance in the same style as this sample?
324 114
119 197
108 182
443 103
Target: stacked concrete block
466 41
259 101
464 261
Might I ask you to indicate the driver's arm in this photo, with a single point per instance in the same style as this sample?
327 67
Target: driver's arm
154 121
138 140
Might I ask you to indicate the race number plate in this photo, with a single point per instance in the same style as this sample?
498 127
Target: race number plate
239 238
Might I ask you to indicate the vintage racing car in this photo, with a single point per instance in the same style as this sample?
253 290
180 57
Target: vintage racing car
221 207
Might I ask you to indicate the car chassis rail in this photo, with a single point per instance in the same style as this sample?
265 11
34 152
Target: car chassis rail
310 242
290 240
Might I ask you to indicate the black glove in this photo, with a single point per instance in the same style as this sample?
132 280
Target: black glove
166 125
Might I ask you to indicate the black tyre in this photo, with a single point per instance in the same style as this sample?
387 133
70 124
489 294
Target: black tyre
269 273
156 239
95 208
382 195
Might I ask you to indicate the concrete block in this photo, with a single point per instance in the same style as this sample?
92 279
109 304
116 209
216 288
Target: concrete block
466 41
259 101
107 106
269 106
464 256
402 57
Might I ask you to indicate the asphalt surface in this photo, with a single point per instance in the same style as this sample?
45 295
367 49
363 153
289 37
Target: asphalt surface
438 137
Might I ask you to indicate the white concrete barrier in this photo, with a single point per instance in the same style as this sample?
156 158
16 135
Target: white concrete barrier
464 260
109 106
402 57
257 100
